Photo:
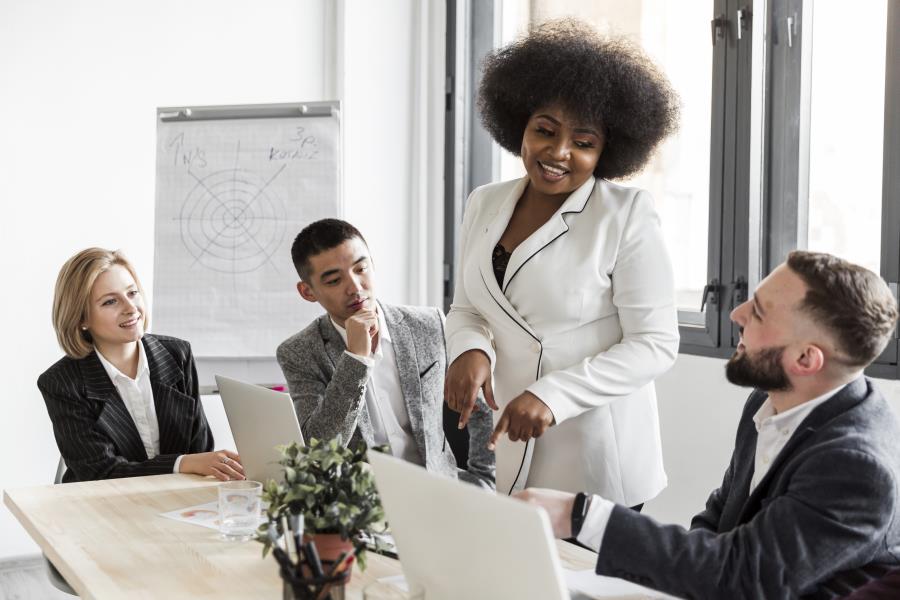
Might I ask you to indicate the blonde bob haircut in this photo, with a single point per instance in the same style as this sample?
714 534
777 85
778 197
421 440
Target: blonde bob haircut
72 297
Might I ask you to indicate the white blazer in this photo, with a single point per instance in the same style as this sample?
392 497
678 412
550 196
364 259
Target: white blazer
585 320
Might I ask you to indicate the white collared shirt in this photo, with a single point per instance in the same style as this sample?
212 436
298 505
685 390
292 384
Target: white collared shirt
384 396
138 398
773 432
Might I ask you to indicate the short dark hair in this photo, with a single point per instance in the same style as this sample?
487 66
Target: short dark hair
607 82
318 237
854 303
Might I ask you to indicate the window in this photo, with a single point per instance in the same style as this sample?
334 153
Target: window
833 72
677 36
788 140
846 139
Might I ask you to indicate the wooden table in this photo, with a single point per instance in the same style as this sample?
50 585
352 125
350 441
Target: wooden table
108 541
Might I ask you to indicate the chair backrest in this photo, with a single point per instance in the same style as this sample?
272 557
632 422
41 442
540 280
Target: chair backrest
457 438
53 575
60 470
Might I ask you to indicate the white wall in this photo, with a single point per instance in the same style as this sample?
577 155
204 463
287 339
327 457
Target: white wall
79 86
377 149
391 63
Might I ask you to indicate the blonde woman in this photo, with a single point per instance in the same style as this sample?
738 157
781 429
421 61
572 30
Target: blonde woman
123 402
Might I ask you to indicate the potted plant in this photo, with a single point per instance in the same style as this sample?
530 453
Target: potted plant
333 488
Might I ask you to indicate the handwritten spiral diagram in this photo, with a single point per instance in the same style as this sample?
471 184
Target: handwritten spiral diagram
232 221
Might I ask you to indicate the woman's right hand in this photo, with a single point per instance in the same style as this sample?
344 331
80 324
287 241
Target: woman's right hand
467 374
221 464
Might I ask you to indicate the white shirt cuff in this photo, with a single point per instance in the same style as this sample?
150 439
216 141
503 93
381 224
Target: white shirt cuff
175 469
594 526
366 360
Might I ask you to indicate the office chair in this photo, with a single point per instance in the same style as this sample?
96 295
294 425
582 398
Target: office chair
56 579
457 438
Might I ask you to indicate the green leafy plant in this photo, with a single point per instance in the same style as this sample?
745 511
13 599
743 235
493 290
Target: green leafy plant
330 485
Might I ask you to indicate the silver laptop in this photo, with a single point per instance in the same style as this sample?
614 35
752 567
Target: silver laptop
260 419
458 541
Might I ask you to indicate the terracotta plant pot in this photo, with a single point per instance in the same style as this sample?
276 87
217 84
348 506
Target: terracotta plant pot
330 546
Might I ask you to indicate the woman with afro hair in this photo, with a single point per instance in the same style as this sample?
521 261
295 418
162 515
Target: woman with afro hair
564 310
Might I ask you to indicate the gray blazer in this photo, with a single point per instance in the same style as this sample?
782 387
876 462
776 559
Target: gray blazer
328 389
823 520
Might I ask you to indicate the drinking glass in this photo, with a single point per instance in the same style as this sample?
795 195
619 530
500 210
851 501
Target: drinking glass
239 509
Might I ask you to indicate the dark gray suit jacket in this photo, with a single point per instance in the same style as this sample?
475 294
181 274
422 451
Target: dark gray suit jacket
328 388
95 432
822 521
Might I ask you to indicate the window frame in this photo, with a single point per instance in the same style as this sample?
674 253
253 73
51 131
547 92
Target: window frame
729 212
470 159
758 186
888 364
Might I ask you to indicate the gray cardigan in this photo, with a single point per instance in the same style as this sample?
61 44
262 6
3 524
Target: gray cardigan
328 389
822 521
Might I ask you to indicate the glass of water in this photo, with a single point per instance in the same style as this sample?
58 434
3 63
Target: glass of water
239 509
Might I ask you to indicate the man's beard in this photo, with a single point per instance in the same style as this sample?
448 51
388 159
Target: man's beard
763 370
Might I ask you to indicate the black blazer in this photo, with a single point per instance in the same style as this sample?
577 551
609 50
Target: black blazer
823 520
94 431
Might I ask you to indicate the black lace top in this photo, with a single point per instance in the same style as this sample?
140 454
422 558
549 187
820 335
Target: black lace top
500 258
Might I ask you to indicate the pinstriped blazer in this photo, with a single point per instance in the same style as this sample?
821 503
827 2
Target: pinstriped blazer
94 431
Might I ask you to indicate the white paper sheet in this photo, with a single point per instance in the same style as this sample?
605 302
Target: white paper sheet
204 515
591 585
231 195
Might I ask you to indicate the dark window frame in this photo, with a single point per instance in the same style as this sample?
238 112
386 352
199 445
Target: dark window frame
729 200
774 227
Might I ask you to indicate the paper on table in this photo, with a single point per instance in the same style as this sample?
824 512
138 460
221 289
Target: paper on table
588 583
398 581
582 584
204 515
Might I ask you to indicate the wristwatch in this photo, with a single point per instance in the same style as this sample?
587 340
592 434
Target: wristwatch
579 512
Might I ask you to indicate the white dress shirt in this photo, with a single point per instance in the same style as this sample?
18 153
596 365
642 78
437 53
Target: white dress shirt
775 429
138 398
773 432
384 396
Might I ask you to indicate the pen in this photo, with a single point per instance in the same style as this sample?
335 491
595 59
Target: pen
312 555
296 524
336 565
283 560
288 539
325 594
346 566
343 563
346 557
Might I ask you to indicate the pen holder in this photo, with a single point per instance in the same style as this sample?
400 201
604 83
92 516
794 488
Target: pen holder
303 586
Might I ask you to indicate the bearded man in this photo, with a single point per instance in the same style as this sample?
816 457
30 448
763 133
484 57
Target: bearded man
809 503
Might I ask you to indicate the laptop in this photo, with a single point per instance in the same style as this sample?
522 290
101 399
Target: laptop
260 419
457 541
